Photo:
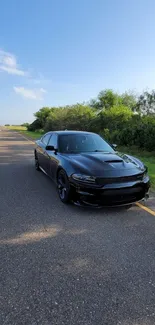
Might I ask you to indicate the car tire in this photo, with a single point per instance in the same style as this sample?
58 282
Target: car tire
37 166
63 186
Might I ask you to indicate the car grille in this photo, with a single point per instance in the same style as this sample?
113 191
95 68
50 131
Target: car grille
124 179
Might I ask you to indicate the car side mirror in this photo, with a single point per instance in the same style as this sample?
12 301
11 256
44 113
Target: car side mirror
114 146
50 148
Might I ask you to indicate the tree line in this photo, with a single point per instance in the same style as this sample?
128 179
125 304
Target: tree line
125 118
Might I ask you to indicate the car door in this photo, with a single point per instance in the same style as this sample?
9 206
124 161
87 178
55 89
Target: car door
53 161
42 150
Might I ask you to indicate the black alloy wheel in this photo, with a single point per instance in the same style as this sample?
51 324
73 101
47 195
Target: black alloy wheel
63 185
37 166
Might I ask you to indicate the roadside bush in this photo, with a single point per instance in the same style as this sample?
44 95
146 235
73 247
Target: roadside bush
36 125
118 118
25 124
141 134
76 117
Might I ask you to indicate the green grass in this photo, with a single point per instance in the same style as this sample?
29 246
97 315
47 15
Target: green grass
32 135
16 128
147 157
23 130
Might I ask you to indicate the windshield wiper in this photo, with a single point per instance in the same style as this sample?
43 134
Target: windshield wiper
72 151
101 151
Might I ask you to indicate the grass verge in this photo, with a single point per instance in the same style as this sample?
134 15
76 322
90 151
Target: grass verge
23 130
147 157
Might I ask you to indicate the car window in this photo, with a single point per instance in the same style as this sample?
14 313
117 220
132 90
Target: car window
53 140
45 139
83 143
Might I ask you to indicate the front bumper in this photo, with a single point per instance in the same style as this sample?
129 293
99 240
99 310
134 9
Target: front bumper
111 195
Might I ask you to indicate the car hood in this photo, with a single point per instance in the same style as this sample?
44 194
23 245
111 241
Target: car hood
106 164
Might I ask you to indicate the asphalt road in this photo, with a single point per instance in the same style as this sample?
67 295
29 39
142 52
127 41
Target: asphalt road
67 265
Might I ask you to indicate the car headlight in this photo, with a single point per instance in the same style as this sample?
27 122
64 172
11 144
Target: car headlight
84 178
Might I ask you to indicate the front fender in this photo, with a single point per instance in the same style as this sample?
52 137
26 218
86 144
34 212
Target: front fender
138 162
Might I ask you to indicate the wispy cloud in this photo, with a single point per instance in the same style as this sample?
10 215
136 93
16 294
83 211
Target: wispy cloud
8 63
40 79
36 94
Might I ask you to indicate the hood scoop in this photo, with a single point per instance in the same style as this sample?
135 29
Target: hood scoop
114 161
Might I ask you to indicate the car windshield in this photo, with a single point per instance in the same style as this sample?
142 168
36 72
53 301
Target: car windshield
76 143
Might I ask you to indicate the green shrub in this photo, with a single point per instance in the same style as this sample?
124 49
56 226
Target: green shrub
111 115
36 125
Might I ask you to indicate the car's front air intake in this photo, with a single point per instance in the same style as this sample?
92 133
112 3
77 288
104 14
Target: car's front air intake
124 179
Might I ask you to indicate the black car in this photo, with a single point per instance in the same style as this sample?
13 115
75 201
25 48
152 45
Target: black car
89 171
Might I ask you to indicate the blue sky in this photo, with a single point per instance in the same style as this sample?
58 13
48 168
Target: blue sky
57 52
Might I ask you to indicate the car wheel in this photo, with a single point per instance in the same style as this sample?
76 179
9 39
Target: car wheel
37 166
63 185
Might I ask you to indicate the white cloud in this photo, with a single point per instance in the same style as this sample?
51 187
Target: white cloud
36 94
43 90
8 63
40 79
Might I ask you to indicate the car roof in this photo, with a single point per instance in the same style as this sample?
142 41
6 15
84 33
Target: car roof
70 132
